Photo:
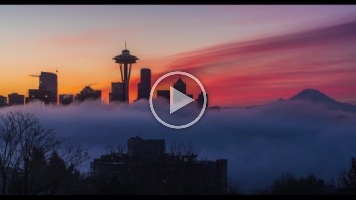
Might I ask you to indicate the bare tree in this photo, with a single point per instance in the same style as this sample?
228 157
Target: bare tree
234 187
26 145
288 184
347 178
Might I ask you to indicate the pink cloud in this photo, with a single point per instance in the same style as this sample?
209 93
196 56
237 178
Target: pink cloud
274 67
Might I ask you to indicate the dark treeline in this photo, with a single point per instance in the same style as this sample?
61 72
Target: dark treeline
35 161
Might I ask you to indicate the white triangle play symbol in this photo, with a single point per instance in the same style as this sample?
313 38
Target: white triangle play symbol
178 100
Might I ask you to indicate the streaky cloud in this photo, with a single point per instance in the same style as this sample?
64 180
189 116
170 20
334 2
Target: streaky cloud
319 58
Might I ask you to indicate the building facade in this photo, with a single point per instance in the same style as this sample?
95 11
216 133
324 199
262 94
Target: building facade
49 82
200 100
3 101
66 99
47 91
117 92
164 93
16 99
144 86
175 172
88 94
180 86
154 149
40 94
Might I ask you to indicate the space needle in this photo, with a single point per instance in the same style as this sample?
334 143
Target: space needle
125 59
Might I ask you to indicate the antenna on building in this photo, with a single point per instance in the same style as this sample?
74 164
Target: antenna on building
125 44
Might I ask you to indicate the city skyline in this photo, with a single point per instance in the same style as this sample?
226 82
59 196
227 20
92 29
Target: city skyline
278 82
262 55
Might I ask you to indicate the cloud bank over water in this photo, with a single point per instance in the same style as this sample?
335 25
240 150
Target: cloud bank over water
260 143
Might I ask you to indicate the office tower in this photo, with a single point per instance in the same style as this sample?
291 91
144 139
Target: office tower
48 82
125 60
200 100
66 99
40 94
180 86
144 86
88 94
117 92
47 89
16 99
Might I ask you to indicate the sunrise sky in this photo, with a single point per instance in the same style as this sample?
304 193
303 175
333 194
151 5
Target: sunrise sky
243 54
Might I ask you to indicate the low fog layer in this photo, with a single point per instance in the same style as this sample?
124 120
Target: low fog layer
260 143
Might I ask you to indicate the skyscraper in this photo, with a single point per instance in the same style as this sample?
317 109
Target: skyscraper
48 82
180 86
47 91
117 92
144 86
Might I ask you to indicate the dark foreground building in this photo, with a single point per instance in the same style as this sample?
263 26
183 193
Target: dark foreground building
149 169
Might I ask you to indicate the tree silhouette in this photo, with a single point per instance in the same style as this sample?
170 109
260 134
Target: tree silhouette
234 187
24 165
347 178
288 184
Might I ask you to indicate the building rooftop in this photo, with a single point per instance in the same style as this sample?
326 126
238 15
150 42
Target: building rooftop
180 81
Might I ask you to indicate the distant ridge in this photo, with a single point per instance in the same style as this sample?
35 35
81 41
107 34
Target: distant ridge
314 96
317 97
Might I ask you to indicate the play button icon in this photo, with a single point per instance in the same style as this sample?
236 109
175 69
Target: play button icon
178 100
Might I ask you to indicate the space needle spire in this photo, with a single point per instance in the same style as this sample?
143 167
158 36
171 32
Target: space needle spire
125 59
